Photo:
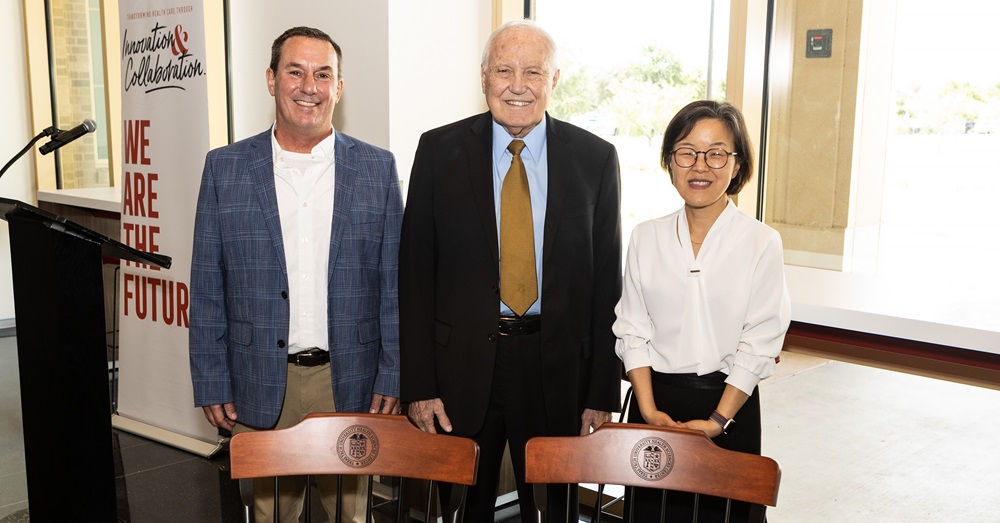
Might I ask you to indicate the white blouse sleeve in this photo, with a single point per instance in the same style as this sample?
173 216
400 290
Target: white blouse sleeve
633 326
769 312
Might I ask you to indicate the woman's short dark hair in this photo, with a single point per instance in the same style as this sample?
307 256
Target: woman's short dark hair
685 120
308 32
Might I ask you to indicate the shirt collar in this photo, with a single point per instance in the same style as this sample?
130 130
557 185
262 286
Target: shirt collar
323 149
532 142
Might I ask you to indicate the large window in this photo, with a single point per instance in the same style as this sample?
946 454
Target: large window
78 92
880 165
626 68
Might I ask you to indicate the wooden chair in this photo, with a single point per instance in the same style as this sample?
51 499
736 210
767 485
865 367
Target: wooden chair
636 455
358 444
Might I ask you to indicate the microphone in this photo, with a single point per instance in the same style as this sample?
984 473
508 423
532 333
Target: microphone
62 138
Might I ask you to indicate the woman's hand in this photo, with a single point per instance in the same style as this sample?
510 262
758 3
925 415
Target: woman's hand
709 427
659 418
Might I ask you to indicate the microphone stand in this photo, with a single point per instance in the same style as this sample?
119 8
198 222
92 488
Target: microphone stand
48 131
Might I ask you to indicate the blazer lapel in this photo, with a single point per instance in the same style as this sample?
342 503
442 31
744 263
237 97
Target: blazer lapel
345 174
559 184
479 146
261 167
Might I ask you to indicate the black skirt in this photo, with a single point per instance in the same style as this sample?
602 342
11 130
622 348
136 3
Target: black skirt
686 397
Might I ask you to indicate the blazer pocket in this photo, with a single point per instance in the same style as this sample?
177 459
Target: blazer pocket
240 332
442 333
369 331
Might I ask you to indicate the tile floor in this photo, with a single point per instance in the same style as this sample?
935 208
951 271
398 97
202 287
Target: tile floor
856 444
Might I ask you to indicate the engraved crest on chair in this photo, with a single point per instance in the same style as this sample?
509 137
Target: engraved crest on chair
357 446
652 458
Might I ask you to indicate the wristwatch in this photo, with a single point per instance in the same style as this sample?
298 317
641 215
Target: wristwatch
723 421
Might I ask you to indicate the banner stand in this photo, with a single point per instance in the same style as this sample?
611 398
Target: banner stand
173 439
165 137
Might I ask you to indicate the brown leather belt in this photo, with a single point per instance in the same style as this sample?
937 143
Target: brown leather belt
515 326
309 358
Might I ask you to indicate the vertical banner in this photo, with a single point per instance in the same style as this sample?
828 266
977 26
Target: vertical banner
165 139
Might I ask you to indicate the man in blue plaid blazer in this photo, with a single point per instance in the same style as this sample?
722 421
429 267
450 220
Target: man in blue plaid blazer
293 278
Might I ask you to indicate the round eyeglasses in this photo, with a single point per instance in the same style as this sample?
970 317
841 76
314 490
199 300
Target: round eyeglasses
714 158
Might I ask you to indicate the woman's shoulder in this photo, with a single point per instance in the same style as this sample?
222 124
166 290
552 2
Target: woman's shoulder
655 225
747 224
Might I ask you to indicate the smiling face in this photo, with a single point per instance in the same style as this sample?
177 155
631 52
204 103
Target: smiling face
701 186
306 89
518 80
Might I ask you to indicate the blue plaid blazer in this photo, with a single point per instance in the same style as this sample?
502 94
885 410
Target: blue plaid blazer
239 282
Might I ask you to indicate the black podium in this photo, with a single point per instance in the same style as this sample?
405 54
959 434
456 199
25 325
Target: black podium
63 364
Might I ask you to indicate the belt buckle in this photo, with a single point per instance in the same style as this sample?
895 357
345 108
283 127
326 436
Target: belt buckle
507 326
303 358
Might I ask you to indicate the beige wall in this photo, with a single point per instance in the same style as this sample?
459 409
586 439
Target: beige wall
811 136
18 182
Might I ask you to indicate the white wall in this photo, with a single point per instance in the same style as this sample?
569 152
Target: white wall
358 26
14 134
433 68
408 66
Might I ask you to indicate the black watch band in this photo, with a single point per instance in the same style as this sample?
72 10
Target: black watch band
724 422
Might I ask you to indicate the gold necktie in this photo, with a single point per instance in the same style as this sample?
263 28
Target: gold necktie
518 283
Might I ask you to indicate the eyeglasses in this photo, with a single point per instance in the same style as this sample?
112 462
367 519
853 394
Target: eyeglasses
714 158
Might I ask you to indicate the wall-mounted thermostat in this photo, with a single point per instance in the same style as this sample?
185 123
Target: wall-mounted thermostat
818 43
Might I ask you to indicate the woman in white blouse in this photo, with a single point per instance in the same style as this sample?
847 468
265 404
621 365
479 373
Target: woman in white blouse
704 307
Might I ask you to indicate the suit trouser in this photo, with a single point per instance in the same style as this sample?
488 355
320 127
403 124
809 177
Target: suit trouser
307 389
516 414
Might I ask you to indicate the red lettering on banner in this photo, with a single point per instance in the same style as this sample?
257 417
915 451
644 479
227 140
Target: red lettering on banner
139 195
127 208
151 194
157 299
143 238
136 141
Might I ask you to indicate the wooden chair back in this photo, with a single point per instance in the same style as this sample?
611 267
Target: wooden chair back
636 455
355 444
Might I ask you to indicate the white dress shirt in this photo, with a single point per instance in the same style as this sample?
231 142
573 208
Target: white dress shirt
304 185
728 309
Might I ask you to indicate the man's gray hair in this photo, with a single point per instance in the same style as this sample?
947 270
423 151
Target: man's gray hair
553 61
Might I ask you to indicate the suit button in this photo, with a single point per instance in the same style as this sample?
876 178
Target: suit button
284 295
281 344
496 290
492 337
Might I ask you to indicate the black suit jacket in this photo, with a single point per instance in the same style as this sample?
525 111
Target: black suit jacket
449 276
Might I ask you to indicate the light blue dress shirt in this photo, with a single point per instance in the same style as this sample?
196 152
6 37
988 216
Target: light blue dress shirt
535 158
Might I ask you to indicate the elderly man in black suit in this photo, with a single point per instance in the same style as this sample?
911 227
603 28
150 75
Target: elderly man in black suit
507 290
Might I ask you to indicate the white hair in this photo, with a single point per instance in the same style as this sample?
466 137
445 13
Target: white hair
553 61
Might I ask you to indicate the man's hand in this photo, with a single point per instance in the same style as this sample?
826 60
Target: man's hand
423 413
221 416
592 420
384 405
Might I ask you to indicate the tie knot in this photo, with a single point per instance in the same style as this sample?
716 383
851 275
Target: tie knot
515 147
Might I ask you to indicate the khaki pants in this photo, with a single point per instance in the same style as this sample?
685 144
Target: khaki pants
308 389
